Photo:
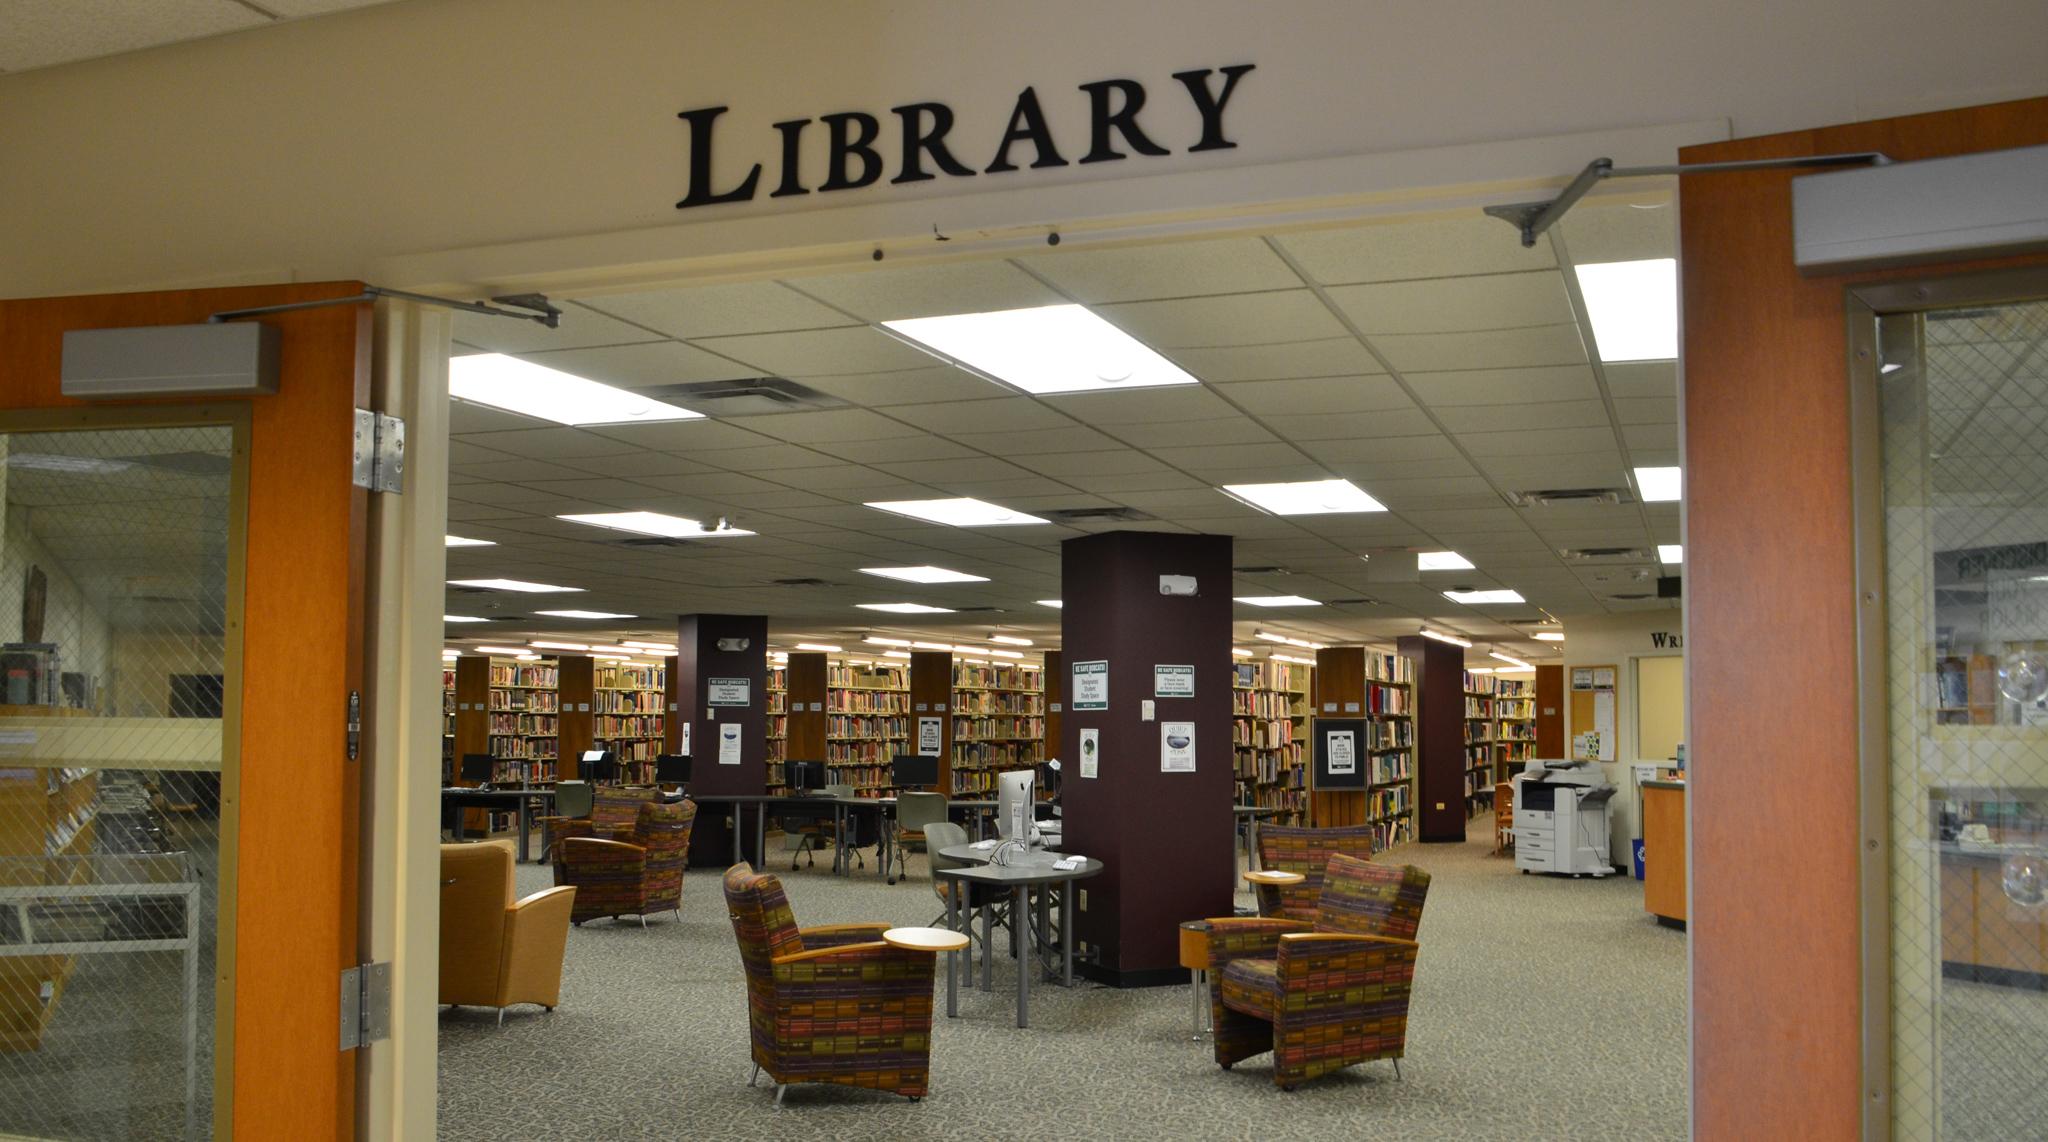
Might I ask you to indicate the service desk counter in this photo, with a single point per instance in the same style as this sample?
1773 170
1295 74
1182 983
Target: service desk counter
1664 854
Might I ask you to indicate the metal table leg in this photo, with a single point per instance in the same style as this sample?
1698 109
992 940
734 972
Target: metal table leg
736 857
461 821
1067 933
525 808
1020 909
952 962
1251 842
988 940
1041 930
760 832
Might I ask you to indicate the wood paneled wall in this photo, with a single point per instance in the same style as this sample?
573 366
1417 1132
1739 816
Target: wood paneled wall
575 693
1339 677
805 677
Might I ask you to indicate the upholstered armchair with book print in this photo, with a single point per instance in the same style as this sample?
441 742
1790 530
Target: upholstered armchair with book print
830 1004
639 873
1288 848
614 814
1326 994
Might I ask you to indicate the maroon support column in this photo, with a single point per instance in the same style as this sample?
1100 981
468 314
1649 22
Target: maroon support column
707 687
1165 837
1439 738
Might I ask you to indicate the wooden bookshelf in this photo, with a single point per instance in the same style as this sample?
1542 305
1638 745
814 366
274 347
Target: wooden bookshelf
1514 733
1480 722
1269 709
777 733
867 723
997 724
523 707
1377 685
627 718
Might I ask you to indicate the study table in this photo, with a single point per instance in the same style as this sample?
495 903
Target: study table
1036 870
840 809
521 800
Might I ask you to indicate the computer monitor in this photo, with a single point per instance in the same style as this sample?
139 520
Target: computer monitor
1049 776
909 771
599 765
805 776
476 767
672 769
1013 805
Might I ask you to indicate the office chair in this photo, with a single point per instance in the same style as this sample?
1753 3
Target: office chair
573 801
914 812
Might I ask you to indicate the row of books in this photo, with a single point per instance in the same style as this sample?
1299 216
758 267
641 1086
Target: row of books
630 749
872 752
866 726
867 678
1261 735
1516 731
1516 752
617 677
1478 707
627 702
524 724
1519 709
998 729
633 726
1514 688
867 701
533 701
513 772
1479 757
1280 797
1282 767
777 726
1387 834
522 674
995 755
1269 676
1389 735
1261 704
776 702
1389 768
518 747
1005 676
1479 786
1478 730
997 702
1381 698
1391 801
1382 666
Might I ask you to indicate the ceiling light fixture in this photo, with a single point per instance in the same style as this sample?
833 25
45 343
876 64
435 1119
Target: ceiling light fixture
508 650
1276 657
1011 639
1548 636
1055 604
666 647
463 619
1277 601
1043 349
1479 670
450 652
1670 553
959 511
1510 659
655 523
905 608
1478 598
1440 636
1290 640
826 647
1239 652
523 387
1304 497
459 541
520 585
1003 653
932 645
558 645
1441 561
924 574
878 640
584 615
895 654
1660 485
1633 307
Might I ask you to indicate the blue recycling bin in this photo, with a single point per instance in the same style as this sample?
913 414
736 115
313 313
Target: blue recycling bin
1636 849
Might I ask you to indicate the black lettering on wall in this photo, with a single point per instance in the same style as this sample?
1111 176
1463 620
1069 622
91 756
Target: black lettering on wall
1027 124
700 193
859 144
792 170
921 141
1123 120
1211 106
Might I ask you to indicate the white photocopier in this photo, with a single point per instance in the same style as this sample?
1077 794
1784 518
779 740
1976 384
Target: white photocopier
1561 819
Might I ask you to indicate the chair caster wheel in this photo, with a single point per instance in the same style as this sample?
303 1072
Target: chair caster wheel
915 1097
1287 1089
1225 1066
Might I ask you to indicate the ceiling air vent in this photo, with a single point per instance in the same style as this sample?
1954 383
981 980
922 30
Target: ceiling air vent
1632 596
1359 601
1604 554
743 396
1552 497
803 582
654 541
1117 514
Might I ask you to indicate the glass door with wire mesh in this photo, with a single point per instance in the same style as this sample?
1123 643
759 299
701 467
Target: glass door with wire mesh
1961 421
115 606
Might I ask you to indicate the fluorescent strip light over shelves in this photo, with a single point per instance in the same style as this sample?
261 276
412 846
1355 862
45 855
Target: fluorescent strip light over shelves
1440 636
924 574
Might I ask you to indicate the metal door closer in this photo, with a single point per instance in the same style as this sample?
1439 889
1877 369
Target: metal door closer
1561 819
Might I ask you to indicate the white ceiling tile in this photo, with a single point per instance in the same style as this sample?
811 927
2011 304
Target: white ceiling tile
1505 386
598 490
1487 349
1593 468
1014 493
1621 232
895 449
721 310
639 366
956 417
1402 495
1451 305
1143 406
1423 446
516 471
1213 456
1337 425
580 329
1509 417
1073 438
1234 319
1177 269
1363 472
1643 379
1316 394
1646 436
465 417
552 443
821 352
42 34
1469 243
765 458
929 290
848 476
938 472
682 436
1228 430
1063 465
1323 357
1122 483
831 426
935 383
462 452
710 484
1541 442
1646 410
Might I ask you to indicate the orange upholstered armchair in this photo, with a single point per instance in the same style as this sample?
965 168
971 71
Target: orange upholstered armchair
497 951
1287 848
1321 996
831 1004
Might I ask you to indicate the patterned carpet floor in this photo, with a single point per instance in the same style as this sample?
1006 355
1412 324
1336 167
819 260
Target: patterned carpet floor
1543 1008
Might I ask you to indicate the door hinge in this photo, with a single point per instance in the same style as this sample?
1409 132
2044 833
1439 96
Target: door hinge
365 1004
353 736
379 452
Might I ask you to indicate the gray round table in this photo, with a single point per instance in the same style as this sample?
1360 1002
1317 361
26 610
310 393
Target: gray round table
1039 871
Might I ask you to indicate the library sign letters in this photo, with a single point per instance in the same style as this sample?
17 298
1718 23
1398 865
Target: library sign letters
923 145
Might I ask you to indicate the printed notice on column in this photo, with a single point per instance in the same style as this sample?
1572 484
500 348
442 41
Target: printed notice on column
928 734
1176 747
728 743
1091 686
1091 751
1343 752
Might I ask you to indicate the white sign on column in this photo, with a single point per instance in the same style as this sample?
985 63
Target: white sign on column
728 743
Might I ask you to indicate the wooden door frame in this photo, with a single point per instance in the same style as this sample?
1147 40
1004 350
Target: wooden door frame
290 796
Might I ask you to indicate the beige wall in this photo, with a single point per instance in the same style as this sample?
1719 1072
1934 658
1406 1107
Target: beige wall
1618 641
331 147
143 665
1660 706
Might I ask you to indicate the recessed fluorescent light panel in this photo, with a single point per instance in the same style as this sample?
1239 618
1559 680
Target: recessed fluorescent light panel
1470 598
1011 639
654 523
895 654
511 585
1277 601
1304 497
1441 561
584 615
1044 349
514 651
1440 636
1660 485
464 619
829 649
1515 662
558 645
1634 307
1055 604
666 647
925 574
534 390
1002 653
1239 652
905 608
880 641
1670 553
1548 636
961 512
459 541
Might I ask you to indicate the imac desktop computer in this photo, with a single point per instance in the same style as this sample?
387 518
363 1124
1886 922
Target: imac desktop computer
477 767
1014 806
909 771
805 777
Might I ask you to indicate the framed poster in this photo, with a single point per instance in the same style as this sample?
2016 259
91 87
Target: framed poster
1176 747
928 737
1091 686
728 691
1339 753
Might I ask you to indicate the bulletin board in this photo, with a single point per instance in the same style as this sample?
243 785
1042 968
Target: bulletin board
1592 713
